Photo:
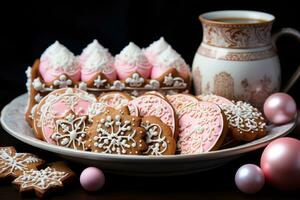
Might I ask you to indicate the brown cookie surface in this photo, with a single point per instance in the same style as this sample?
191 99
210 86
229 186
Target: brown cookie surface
159 137
116 132
14 164
41 182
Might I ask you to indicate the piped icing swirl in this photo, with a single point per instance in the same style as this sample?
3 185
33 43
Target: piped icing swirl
95 58
57 60
155 49
131 59
169 58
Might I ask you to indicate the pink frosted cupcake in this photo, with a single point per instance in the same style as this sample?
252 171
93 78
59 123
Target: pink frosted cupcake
156 48
58 60
94 59
169 59
131 59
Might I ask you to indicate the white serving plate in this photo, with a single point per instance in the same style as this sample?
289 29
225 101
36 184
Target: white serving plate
13 121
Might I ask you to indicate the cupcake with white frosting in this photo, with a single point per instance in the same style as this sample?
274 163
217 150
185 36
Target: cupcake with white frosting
94 59
155 49
57 60
167 60
131 59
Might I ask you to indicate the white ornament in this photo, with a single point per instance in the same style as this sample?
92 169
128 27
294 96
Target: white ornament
82 86
111 135
70 132
153 84
28 82
41 179
37 85
118 85
62 82
135 80
99 82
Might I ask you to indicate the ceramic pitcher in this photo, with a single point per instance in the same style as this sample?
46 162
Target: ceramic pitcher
237 58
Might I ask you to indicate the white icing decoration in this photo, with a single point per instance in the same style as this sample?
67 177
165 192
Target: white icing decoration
82 86
98 62
10 161
243 116
156 141
62 81
135 93
41 179
110 135
135 80
60 59
153 84
95 46
99 82
31 116
169 80
38 97
38 86
28 82
157 47
70 132
118 85
96 109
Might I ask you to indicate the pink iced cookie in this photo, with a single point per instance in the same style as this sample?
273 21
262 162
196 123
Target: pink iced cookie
130 60
153 105
182 102
215 99
201 129
58 60
61 117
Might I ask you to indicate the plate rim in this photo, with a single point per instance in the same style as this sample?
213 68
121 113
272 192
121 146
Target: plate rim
223 153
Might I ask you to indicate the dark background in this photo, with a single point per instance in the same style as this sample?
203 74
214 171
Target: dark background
27 28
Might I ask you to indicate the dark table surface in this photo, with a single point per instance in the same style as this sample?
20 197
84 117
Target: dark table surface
213 184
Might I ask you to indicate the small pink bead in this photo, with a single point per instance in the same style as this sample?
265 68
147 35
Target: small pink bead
249 178
92 179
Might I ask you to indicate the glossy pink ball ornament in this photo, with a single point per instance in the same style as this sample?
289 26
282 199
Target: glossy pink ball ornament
280 108
280 163
249 178
92 179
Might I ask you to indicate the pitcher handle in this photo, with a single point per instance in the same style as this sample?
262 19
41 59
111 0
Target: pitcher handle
296 34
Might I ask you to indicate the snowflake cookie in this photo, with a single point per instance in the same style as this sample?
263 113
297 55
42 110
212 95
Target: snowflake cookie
245 121
159 137
13 164
116 132
53 115
41 182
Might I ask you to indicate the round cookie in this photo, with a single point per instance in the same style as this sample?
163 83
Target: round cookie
153 105
215 99
245 121
159 137
61 118
116 132
182 102
115 99
202 129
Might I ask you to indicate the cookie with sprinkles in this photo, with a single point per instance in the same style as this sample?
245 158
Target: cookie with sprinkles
42 182
14 164
245 121
117 132
159 137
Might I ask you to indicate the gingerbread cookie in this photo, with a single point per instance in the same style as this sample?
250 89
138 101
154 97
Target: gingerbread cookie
13 164
245 121
182 102
116 132
61 118
45 180
153 105
159 137
115 99
202 129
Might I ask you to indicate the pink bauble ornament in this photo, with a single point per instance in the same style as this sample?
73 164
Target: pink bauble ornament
249 178
280 108
280 163
92 179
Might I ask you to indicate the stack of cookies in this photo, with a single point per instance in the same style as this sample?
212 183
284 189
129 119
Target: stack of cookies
150 124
